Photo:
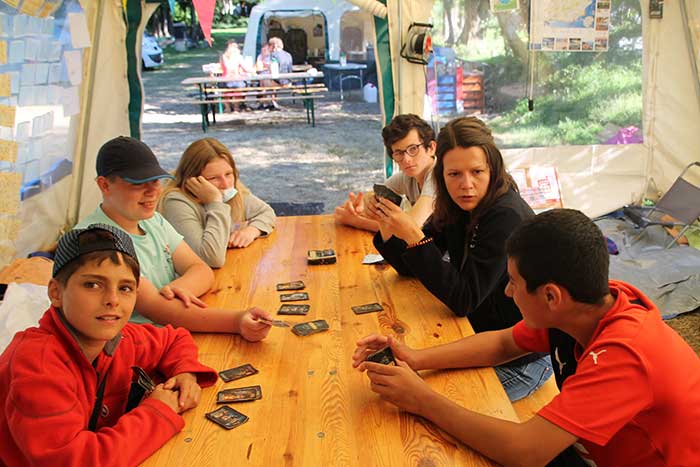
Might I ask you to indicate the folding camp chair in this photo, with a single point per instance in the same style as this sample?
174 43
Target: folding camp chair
681 201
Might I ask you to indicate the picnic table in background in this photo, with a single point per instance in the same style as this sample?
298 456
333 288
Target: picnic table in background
315 408
211 97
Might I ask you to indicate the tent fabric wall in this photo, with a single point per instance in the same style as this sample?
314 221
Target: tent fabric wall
109 115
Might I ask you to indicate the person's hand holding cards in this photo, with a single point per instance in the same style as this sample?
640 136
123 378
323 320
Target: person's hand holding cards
254 324
167 397
374 344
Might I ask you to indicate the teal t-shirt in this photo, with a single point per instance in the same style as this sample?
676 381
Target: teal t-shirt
154 249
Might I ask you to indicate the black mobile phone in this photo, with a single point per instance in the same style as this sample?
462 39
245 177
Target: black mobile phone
384 191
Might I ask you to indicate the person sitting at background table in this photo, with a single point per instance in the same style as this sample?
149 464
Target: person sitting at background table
209 205
411 142
630 386
476 208
174 277
233 65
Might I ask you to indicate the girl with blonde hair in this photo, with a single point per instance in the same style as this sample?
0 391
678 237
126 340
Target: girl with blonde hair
210 206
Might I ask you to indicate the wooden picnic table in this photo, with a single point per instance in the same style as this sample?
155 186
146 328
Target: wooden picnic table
317 410
211 99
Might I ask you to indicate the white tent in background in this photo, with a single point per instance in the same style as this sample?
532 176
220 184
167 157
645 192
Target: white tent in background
333 16
595 179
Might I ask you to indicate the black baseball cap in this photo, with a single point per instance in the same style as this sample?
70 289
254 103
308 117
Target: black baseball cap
78 242
129 159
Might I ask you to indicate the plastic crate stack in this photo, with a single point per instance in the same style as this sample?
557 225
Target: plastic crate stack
473 101
444 82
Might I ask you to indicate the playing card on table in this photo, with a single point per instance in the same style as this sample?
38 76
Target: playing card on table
293 297
321 256
368 308
239 372
248 393
312 327
227 417
278 323
293 310
294 285
384 356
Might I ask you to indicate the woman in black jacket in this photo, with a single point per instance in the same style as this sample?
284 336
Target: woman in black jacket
477 206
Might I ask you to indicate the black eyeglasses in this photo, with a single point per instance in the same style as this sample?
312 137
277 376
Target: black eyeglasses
399 154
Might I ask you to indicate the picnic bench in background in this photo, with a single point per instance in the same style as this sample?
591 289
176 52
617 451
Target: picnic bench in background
211 97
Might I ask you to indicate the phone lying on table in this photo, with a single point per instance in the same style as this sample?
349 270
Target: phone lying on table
384 191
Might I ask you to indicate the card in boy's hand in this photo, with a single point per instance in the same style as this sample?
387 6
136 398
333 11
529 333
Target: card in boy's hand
227 417
321 256
293 309
369 308
293 297
384 356
384 191
239 372
278 323
294 285
312 327
248 393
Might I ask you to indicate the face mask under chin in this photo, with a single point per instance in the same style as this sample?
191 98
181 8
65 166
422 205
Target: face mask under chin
228 194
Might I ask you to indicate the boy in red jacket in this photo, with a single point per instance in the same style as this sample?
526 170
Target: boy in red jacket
66 386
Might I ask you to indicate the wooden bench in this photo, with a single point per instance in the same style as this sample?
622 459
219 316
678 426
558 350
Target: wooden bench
212 95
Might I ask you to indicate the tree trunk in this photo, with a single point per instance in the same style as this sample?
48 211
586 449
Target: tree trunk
471 20
447 7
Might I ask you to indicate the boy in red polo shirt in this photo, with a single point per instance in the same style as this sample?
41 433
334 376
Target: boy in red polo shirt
66 386
630 386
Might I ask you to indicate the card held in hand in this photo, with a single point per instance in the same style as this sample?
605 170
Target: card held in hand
312 327
278 323
293 297
368 308
227 417
384 191
321 256
293 309
246 394
239 372
294 285
384 356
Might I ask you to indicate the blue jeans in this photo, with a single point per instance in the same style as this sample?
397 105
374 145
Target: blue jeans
521 380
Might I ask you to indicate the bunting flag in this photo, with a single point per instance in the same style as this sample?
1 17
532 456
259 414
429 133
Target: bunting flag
205 12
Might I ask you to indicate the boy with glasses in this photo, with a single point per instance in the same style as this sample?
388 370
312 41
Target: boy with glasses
411 143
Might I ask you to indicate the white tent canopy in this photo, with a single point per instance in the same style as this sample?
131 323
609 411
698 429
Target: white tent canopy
595 179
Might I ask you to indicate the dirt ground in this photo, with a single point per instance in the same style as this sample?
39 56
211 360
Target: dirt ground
281 158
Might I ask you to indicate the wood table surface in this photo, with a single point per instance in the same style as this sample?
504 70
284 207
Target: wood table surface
316 409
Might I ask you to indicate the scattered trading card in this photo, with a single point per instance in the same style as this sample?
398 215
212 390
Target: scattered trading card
293 309
312 327
278 323
373 259
384 356
248 393
294 285
293 297
321 256
384 191
239 372
369 308
227 417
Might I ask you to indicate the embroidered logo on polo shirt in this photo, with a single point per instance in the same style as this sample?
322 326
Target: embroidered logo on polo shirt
595 356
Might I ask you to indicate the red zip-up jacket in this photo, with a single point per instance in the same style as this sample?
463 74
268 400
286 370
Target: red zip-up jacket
48 389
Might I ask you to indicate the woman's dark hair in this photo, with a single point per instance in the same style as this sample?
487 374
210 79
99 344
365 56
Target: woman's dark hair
401 125
467 132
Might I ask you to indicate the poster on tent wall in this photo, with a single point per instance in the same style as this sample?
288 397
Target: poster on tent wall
41 44
570 25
